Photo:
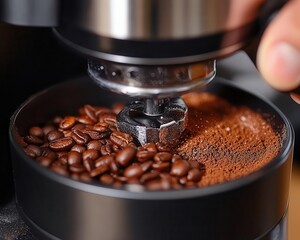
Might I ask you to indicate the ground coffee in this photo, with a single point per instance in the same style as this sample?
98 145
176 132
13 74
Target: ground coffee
222 143
231 141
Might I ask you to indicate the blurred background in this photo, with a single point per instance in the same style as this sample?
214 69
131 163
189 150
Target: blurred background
32 59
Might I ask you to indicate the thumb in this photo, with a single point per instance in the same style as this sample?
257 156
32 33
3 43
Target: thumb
278 56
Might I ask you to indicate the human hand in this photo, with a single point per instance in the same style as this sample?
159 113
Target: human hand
278 56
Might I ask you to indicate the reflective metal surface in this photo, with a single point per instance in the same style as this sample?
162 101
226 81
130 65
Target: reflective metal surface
151 81
168 19
165 126
145 31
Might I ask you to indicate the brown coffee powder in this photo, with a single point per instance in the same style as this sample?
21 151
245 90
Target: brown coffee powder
231 141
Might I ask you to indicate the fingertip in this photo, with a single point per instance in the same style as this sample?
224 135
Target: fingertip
280 66
278 56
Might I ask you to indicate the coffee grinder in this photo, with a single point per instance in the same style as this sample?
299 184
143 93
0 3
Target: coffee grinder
153 51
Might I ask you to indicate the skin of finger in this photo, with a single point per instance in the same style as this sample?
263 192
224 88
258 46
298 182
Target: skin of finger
285 27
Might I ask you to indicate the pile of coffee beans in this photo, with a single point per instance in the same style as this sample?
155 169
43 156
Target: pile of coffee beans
88 147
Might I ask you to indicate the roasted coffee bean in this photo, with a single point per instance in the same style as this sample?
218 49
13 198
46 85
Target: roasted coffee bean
194 175
133 171
106 149
99 170
67 133
161 166
101 127
180 168
194 164
103 160
44 161
190 184
151 147
61 154
62 144
21 142
113 167
97 135
117 184
85 177
54 135
109 118
75 176
63 160
85 120
90 112
78 126
102 110
67 123
90 154
116 148
49 153
183 180
36 131
80 137
154 185
175 184
88 164
74 158
146 166
163 157
60 170
57 163
141 148
166 183
78 148
125 156
143 156
77 168
133 181
175 157
120 178
149 176
47 129
33 151
162 147
44 145
120 139
94 144
33 140
106 179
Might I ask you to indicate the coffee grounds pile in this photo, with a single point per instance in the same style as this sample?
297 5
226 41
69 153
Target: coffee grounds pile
231 141
222 143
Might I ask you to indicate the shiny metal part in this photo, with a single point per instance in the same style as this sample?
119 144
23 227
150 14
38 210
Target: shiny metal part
166 127
151 81
145 32
157 20
152 32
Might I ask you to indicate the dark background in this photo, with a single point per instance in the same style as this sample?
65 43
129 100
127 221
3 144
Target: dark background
31 59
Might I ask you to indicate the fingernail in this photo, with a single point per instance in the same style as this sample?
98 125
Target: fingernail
295 97
289 59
